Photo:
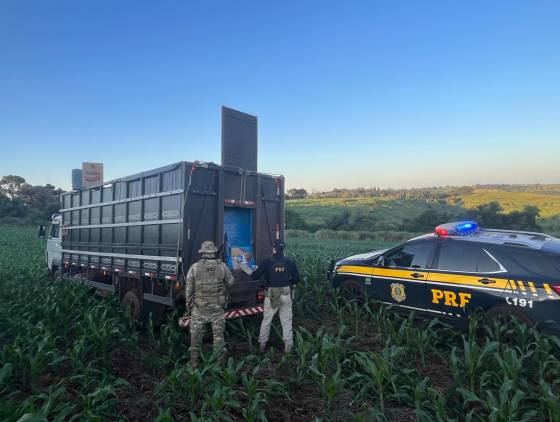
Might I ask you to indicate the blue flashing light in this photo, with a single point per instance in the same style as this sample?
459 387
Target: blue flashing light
460 228
467 227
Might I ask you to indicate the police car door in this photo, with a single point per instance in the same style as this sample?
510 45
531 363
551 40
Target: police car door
465 276
401 276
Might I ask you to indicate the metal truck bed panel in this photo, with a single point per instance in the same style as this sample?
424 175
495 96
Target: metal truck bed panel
152 223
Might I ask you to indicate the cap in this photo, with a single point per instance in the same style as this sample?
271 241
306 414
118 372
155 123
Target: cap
208 247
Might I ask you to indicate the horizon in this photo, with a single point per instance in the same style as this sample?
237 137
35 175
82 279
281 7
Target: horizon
397 96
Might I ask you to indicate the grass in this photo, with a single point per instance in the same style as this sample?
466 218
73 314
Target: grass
66 354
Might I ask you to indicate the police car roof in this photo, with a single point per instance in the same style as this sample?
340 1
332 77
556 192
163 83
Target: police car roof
531 240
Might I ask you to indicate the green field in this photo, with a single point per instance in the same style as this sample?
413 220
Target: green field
316 211
391 210
66 354
548 201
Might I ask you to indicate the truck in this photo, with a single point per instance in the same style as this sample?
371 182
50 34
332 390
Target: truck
137 236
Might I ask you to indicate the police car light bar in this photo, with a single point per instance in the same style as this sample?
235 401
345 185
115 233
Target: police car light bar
460 228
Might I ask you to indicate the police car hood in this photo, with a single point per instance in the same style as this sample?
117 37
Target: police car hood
361 257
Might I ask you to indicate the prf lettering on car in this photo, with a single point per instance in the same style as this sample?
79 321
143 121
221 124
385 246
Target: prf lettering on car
450 298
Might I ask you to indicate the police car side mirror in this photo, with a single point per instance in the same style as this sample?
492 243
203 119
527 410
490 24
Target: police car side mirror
381 261
41 231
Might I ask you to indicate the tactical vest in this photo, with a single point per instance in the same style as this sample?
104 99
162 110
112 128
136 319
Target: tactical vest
209 283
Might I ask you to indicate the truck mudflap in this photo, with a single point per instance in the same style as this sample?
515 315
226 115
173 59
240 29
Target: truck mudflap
185 321
237 313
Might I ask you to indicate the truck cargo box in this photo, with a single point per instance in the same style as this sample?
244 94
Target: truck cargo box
145 230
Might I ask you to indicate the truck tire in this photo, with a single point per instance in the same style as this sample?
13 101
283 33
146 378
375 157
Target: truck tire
353 290
131 304
497 312
55 273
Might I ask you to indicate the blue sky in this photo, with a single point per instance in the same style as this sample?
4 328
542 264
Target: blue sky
348 94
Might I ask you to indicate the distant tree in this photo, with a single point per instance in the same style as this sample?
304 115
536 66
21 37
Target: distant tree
12 207
294 221
362 221
297 193
338 221
19 199
488 215
426 221
523 220
11 185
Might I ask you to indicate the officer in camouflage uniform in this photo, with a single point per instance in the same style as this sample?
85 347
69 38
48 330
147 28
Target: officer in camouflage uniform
206 295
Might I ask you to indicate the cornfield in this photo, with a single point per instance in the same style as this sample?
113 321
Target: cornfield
67 354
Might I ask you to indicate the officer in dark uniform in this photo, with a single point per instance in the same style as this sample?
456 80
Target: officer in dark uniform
280 275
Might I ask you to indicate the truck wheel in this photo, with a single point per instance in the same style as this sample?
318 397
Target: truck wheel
130 303
500 312
55 273
352 290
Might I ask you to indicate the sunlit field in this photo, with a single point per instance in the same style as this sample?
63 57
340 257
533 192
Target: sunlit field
67 354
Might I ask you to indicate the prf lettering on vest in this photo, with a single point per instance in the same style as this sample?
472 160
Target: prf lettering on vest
279 269
450 298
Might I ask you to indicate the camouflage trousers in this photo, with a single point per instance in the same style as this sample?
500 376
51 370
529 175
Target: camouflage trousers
213 314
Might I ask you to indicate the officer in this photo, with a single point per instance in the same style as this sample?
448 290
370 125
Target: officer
280 275
206 295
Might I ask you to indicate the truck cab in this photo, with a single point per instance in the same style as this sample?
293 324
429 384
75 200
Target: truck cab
53 253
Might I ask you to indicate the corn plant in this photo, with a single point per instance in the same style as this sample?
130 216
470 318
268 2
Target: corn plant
505 405
66 354
330 384
377 376
253 410
474 361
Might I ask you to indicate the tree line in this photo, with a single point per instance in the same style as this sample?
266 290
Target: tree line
450 194
21 202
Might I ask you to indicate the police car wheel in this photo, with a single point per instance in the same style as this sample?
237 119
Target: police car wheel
352 290
499 312
130 303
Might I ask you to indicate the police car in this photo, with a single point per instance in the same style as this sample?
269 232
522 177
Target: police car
461 268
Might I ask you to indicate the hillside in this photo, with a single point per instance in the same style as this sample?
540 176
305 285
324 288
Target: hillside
548 201
393 207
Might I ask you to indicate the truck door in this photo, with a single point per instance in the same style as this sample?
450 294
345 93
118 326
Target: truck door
54 248
239 253
465 277
401 277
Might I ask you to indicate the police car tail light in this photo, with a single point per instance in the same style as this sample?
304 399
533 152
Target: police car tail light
460 228
260 296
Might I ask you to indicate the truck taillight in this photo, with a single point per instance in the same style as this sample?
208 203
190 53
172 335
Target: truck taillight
260 296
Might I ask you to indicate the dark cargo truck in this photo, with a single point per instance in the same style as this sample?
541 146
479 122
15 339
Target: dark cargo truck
138 235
